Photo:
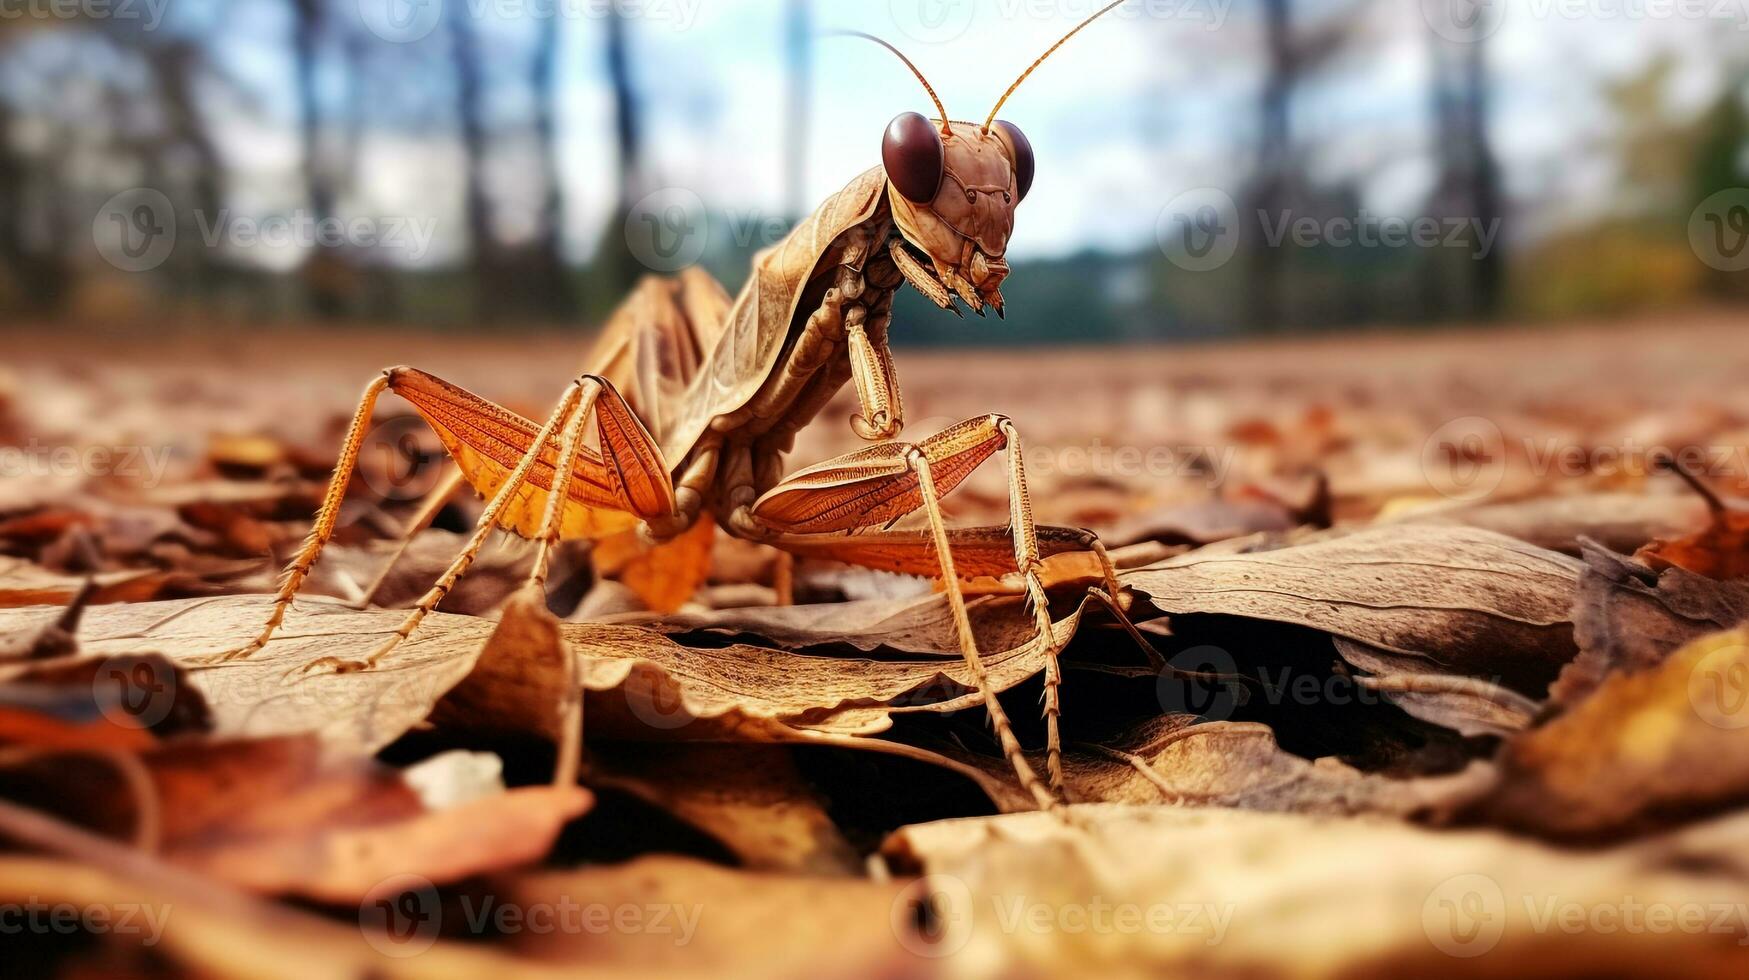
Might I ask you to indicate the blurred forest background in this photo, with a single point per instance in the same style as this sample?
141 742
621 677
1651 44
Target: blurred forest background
491 164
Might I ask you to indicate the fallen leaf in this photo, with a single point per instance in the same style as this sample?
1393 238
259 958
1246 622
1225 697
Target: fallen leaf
1477 602
1122 891
1665 744
1628 617
1178 760
25 584
750 798
663 575
1619 521
1470 706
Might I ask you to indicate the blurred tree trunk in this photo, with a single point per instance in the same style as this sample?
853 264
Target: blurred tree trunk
323 275
477 204
1468 185
615 268
549 281
178 66
1269 192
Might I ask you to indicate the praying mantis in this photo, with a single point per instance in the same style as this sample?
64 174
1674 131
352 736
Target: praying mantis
696 397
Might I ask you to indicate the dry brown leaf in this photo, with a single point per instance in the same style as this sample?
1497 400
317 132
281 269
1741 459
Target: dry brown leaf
1122 891
25 584
1467 705
641 685
276 817
1619 521
1664 744
1477 602
1628 618
921 624
1720 550
151 911
750 798
1178 760
664 576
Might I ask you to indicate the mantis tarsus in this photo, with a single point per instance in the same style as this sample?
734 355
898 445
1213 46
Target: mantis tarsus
696 397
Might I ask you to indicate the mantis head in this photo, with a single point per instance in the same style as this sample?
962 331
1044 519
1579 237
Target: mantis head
953 187
953 192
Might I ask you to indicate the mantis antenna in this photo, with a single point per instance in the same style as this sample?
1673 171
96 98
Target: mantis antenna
946 127
1041 60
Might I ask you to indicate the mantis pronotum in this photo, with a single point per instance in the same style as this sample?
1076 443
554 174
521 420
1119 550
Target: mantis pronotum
696 397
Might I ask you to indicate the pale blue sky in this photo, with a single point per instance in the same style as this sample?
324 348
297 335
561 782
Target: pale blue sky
1156 99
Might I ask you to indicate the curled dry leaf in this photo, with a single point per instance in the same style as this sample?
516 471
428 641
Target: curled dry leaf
1225 893
1477 602
1619 521
276 816
1628 617
1175 759
750 798
1720 550
1467 705
1661 745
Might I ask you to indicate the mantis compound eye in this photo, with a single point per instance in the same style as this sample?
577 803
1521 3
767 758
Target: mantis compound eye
1021 151
912 152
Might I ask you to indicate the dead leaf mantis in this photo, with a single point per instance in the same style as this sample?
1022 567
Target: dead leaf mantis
696 397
